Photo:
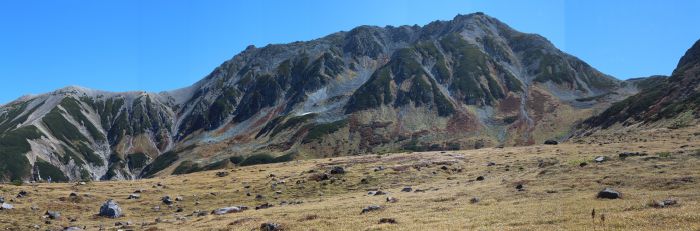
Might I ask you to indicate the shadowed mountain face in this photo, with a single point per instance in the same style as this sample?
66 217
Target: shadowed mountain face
673 102
465 83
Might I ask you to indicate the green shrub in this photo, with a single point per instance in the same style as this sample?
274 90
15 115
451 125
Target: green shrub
317 131
265 158
47 170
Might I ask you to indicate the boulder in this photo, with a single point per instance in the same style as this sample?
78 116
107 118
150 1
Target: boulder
371 208
609 193
110 209
227 210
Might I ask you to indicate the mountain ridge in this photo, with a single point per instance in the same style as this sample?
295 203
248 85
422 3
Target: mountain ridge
466 83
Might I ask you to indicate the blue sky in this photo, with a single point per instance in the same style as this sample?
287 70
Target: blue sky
163 45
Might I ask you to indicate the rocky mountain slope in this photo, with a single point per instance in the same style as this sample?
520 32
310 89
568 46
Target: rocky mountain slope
671 102
466 83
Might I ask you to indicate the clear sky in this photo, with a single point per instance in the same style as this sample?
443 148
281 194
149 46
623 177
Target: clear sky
163 45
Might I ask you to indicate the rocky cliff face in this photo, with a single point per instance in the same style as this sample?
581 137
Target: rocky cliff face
465 83
671 102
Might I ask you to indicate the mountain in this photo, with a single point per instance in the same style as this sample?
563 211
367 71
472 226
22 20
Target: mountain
465 83
671 102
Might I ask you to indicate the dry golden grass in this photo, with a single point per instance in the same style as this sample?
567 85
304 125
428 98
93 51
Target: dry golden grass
558 195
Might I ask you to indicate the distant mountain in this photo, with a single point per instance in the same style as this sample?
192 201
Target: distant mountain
670 102
465 83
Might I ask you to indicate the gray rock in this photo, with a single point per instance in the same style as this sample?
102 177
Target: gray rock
392 199
6 206
474 200
166 200
664 203
407 189
227 210
387 221
72 228
2 200
600 159
270 227
134 196
110 209
371 208
337 170
376 193
609 193
53 215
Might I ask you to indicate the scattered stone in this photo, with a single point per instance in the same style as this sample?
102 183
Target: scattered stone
392 199
609 193
474 200
199 213
2 200
110 209
6 206
166 200
73 195
600 159
227 210
445 168
551 142
139 191
387 221
134 196
259 197
364 181
179 210
407 189
222 174
53 215
319 177
380 168
270 227
490 164
371 208
337 170
582 164
179 198
264 206
72 228
664 203
479 178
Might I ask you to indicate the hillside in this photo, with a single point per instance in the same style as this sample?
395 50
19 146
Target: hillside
672 102
467 83
454 190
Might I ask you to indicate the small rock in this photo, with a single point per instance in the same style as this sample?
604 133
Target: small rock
179 198
371 208
445 168
609 193
551 142
599 159
73 195
664 203
479 178
519 187
166 200
364 181
259 197
139 191
582 164
407 189
232 209
392 199
474 200
6 206
270 227
387 221
72 228
134 196
22 194
123 223
376 193
110 209
53 215
337 170
222 174
179 210
2 200
263 206
490 163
